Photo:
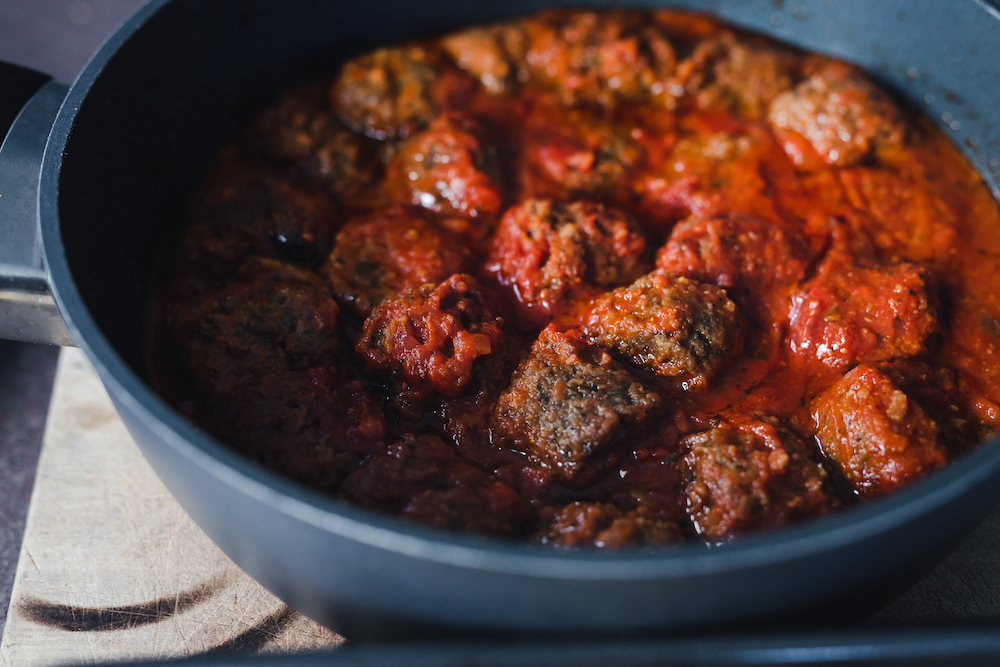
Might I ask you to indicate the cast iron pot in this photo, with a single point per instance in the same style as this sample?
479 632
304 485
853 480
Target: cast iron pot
122 158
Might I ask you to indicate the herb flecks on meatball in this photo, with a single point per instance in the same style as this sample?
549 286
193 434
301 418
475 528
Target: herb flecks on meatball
568 401
754 477
673 326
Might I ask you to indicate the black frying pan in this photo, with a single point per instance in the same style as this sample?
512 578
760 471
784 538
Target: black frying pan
122 159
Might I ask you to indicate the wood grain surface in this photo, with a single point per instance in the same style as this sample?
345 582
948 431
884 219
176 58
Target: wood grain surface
111 567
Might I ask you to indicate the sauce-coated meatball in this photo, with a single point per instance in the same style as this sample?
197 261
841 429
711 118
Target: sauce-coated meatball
757 476
446 169
879 437
389 254
549 252
430 340
673 326
852 314
841 115
568 401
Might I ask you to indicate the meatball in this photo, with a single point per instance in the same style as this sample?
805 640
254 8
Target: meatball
494 54
389 254
313 425
675 327
302 133
250 329
245 211
738 75
423 479
905 217
446 169
603 525
386 93
571 152
602 58
546 252
717 169
839 113
568 401
430 340
753 477
846 315
754 261
879 437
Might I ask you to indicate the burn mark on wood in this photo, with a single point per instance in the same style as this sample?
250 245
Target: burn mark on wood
105 619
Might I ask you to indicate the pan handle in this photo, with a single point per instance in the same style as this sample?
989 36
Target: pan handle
28 311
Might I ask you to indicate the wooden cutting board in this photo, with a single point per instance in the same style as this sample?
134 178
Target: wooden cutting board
112 568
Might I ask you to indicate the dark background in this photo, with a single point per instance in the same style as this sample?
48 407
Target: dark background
56 37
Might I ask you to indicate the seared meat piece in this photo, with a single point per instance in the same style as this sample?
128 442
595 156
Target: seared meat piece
753 477
388 254
431 340
548 253
314 426
447 169
846 315
675 327
493 54
602 58
244 210
568 402
757 263
424 480
386 93
572 152
739 75
878 437
603 525
303 134
250 329
904 219
841 115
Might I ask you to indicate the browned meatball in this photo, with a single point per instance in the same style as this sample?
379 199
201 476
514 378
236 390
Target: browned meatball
431 340
302 133
849 314
492 54
605 526
675 327
314 426
878 436
424 480
250 329
244 211
386 93
548 252
756 262
572 152
906 218
739 75
568 401
841 115
757 476
602 58
446 169
389 254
